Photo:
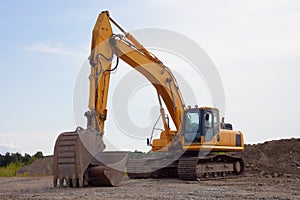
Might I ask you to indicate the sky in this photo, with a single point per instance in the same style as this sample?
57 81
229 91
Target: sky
254 45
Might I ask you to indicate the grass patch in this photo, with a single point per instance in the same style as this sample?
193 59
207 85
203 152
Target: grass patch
11 170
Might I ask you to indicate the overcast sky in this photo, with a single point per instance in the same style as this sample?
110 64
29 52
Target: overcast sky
255 46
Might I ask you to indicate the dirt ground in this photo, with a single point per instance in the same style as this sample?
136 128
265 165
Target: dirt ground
272 171
237 188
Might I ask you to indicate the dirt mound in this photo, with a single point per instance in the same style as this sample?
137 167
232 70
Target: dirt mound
40 167
272 158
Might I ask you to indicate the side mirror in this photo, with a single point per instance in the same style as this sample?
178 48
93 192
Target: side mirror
148 142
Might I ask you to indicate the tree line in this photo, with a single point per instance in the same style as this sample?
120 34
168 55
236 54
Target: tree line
18 158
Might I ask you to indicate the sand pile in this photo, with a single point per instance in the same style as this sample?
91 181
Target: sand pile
40 167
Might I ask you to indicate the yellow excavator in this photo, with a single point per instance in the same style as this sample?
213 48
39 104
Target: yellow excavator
196 149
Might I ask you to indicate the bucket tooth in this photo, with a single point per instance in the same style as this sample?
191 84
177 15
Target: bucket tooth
61 181
73 181
55 182
67 181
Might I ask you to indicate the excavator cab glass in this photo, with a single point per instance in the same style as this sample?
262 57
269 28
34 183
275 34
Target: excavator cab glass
192 126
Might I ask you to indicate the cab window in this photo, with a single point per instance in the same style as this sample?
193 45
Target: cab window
192 121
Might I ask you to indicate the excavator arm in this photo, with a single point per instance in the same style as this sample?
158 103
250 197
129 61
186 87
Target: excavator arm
100 61
104 45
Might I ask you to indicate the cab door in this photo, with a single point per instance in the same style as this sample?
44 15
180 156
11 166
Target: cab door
210 123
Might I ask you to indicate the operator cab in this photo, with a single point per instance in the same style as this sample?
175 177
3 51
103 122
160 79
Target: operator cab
199 122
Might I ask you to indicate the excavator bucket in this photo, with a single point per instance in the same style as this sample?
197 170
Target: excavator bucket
75 152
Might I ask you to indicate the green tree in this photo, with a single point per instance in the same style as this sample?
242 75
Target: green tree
39 154
7 159
26 158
